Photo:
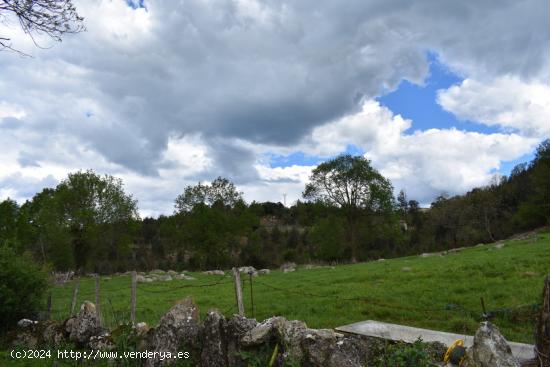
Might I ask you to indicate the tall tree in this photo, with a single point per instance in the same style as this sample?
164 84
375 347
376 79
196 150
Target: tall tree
9 211
221 192
352 184
93 206
541 178
43 230
402 204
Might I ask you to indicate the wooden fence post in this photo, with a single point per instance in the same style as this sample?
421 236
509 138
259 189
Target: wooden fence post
134 291
542 339
75 294
238 291
98 298
251 294
542 332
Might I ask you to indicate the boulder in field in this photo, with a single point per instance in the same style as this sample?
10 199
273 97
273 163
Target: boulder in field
248 270
288 267
214 272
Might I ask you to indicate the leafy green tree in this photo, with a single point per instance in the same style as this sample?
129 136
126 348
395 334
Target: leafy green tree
541 178
402 204
9 211
327 236
43 230
94 207
353 185
22 287
220 192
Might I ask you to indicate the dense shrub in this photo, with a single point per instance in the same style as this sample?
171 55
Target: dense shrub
22 287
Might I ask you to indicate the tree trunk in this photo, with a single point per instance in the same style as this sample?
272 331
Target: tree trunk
488 225
42 250
543 328
352 237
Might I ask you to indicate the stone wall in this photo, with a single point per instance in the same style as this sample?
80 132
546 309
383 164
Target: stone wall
220 341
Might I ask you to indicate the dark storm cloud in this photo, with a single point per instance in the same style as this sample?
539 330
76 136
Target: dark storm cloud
261 72
231 160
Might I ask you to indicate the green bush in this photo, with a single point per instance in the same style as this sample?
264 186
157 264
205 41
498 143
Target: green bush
406 355
22 287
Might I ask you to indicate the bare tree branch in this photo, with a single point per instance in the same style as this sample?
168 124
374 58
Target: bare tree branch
53 18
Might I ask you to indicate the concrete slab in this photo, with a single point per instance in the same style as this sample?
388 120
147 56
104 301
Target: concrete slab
410 334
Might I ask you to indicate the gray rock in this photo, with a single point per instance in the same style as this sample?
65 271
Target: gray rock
52 334
348 351
264 271
490 349
140 279
178 329
25 323
309 347
237 328
85 325
288 267
167 278
248 270
141 328
26 334
263 332
101 342
214 272
214 341
291 334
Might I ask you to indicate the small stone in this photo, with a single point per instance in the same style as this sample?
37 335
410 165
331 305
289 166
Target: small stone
248 270
141 328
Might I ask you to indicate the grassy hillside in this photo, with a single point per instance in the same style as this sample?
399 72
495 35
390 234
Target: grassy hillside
437 292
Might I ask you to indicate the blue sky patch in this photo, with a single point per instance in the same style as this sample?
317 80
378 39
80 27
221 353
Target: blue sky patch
419 102
301 159
136 4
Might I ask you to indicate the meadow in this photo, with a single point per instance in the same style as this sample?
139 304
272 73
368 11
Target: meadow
435 291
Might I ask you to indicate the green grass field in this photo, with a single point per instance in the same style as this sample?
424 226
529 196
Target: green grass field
436 292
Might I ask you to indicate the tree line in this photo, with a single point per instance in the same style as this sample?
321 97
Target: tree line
348 213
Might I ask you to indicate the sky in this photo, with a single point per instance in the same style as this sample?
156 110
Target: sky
440 95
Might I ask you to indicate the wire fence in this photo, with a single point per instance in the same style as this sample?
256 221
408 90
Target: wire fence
120 313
